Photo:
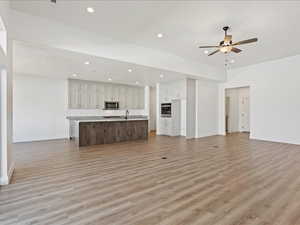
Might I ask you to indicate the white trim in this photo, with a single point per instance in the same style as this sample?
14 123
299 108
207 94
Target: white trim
221 100
274 140
42 139
3 147
157 110
197 109
11 171
5 180
147 104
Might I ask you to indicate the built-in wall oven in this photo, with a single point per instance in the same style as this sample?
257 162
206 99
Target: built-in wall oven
166 110
111 105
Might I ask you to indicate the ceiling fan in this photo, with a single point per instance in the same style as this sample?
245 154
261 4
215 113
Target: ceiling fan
227 45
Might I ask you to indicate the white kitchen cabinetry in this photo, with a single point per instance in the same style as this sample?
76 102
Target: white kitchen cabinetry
166 126
74 92
135 98
92 95
129 98
176 118
107 92
99 96
171 126
141 98
122 97
83 99
113 93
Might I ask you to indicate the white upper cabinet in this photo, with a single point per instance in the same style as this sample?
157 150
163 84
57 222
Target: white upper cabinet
122 97
135 99
107 92
100 96
141 98
115 93
83 99
129 98
74 91
92 95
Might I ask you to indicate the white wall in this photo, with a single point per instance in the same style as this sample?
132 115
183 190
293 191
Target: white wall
207 108
274 99
39 108
191 108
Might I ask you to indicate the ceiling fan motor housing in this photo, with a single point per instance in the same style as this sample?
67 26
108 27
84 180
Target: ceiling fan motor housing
226 28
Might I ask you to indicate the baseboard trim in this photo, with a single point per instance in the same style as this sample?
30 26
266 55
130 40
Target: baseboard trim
37 140
208 135
274 140
5 180
11 171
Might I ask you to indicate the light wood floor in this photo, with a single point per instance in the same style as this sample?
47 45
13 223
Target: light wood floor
209 181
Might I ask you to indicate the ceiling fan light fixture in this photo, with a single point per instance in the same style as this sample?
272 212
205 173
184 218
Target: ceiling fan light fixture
226 49
226 45
90 9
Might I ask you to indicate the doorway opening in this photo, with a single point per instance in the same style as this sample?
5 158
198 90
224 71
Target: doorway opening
237 110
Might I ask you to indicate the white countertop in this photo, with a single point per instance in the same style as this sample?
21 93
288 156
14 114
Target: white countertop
105 119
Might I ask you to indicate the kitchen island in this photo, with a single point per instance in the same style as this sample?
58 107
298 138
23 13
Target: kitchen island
95 130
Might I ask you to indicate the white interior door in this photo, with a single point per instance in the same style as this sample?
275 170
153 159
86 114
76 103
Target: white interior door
244 110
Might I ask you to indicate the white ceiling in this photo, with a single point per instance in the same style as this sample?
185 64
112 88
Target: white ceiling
185 25
56 63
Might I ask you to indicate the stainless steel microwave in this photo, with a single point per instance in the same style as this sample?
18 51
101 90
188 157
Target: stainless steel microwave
111 105
166 110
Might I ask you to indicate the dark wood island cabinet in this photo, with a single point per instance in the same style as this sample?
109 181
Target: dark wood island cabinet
106 132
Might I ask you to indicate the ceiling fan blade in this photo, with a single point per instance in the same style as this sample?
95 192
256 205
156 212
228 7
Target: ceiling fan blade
214 52
236 50
227 39
211 46
246 41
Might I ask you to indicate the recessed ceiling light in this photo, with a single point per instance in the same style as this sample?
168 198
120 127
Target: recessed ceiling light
74 75
129 70
161 76
137 82
232 61
206 52
90 9
159 35
87 63
109 79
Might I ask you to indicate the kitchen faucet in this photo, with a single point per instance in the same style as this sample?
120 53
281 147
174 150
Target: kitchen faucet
126 114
